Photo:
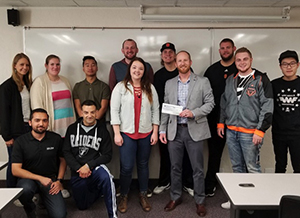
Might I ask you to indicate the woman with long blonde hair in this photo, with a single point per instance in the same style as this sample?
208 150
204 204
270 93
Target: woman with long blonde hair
15 107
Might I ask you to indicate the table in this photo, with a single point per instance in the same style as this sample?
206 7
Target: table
3 164
8 195
266 193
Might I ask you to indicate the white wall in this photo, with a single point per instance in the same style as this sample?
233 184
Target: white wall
11 42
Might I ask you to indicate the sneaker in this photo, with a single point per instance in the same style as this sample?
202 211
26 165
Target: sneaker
118 191
159 189
65 193
18 203
210 192
226 205
122 206
149 193
189 190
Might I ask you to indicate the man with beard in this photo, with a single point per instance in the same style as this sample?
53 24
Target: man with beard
91 88
187 130
119 69
217 74
246 109
38 161
169 71
87 148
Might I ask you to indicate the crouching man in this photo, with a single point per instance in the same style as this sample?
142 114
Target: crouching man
87 147
38 161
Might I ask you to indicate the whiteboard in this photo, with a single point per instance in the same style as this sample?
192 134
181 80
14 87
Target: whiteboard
105 45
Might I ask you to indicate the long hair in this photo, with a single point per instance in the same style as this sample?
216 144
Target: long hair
145 82
27 79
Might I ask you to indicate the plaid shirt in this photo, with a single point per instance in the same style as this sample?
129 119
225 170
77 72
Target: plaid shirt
183 90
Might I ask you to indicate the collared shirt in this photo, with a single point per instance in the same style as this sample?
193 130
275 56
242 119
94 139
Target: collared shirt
182 93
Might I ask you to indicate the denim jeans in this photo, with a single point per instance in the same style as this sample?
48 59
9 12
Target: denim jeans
244 155
54 204
130 151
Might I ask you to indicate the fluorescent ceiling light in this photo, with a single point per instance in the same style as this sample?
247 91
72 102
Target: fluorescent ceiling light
216 18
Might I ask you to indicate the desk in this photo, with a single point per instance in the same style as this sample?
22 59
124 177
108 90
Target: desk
3 164
266 193
8 195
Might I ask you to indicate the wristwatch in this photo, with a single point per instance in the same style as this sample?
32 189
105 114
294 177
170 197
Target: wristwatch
60 180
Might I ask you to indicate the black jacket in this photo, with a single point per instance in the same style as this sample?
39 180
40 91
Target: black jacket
11 115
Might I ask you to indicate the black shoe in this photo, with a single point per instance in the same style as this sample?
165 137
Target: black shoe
210 192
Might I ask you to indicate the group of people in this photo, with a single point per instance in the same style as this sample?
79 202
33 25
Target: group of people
233 103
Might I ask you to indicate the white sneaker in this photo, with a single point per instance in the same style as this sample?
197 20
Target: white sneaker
226 205
189 190
18 203
159 189
65 193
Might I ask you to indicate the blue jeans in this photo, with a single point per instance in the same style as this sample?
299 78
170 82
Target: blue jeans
130 151
87 190
54 204
244 155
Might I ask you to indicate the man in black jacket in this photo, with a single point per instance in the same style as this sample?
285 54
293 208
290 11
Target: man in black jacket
87 148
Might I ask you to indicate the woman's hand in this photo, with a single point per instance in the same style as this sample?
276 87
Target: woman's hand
9 142
154 138
118 140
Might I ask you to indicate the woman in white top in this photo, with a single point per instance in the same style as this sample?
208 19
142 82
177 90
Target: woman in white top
135 120
15 107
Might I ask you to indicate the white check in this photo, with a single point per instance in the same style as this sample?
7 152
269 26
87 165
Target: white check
171 109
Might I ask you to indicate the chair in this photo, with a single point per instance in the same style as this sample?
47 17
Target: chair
289 206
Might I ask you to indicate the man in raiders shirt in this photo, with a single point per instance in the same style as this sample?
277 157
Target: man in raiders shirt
246 109
217 74
87 148
286 122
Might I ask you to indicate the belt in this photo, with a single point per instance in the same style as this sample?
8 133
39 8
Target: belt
182 124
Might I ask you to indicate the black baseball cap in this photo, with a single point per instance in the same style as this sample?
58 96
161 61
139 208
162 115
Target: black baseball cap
168 45
288 54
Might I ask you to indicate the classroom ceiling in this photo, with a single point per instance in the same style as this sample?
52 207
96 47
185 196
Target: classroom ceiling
149 3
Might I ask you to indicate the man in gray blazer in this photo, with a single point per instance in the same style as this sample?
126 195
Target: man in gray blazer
189 129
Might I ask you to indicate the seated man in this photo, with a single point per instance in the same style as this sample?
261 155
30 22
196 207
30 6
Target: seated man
35 161
87 147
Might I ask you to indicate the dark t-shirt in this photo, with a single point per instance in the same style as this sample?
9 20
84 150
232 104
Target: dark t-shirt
286 115
217 75
160 78
38 157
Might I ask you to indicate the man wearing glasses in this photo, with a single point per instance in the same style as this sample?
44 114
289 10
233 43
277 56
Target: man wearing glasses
286 122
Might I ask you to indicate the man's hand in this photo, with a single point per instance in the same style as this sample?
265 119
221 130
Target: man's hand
220 132
186 113
55 188
84 171
9 142
45 181
256 139
163 138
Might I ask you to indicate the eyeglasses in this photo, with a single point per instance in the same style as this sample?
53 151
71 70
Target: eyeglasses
292 64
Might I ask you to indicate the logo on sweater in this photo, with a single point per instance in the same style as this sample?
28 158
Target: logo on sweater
83 151
251 91
288 100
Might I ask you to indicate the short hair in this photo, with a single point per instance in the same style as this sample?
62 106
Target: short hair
242 50
227 40
129 40
88 57
88 103
38 110
51 56
183 51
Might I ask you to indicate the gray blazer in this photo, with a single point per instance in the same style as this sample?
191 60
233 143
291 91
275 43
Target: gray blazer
200 101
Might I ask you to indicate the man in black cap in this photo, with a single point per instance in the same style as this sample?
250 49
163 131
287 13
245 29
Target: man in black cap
169 71
286 122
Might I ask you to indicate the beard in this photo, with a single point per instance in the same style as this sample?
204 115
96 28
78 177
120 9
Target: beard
226 58
39 130
130 57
